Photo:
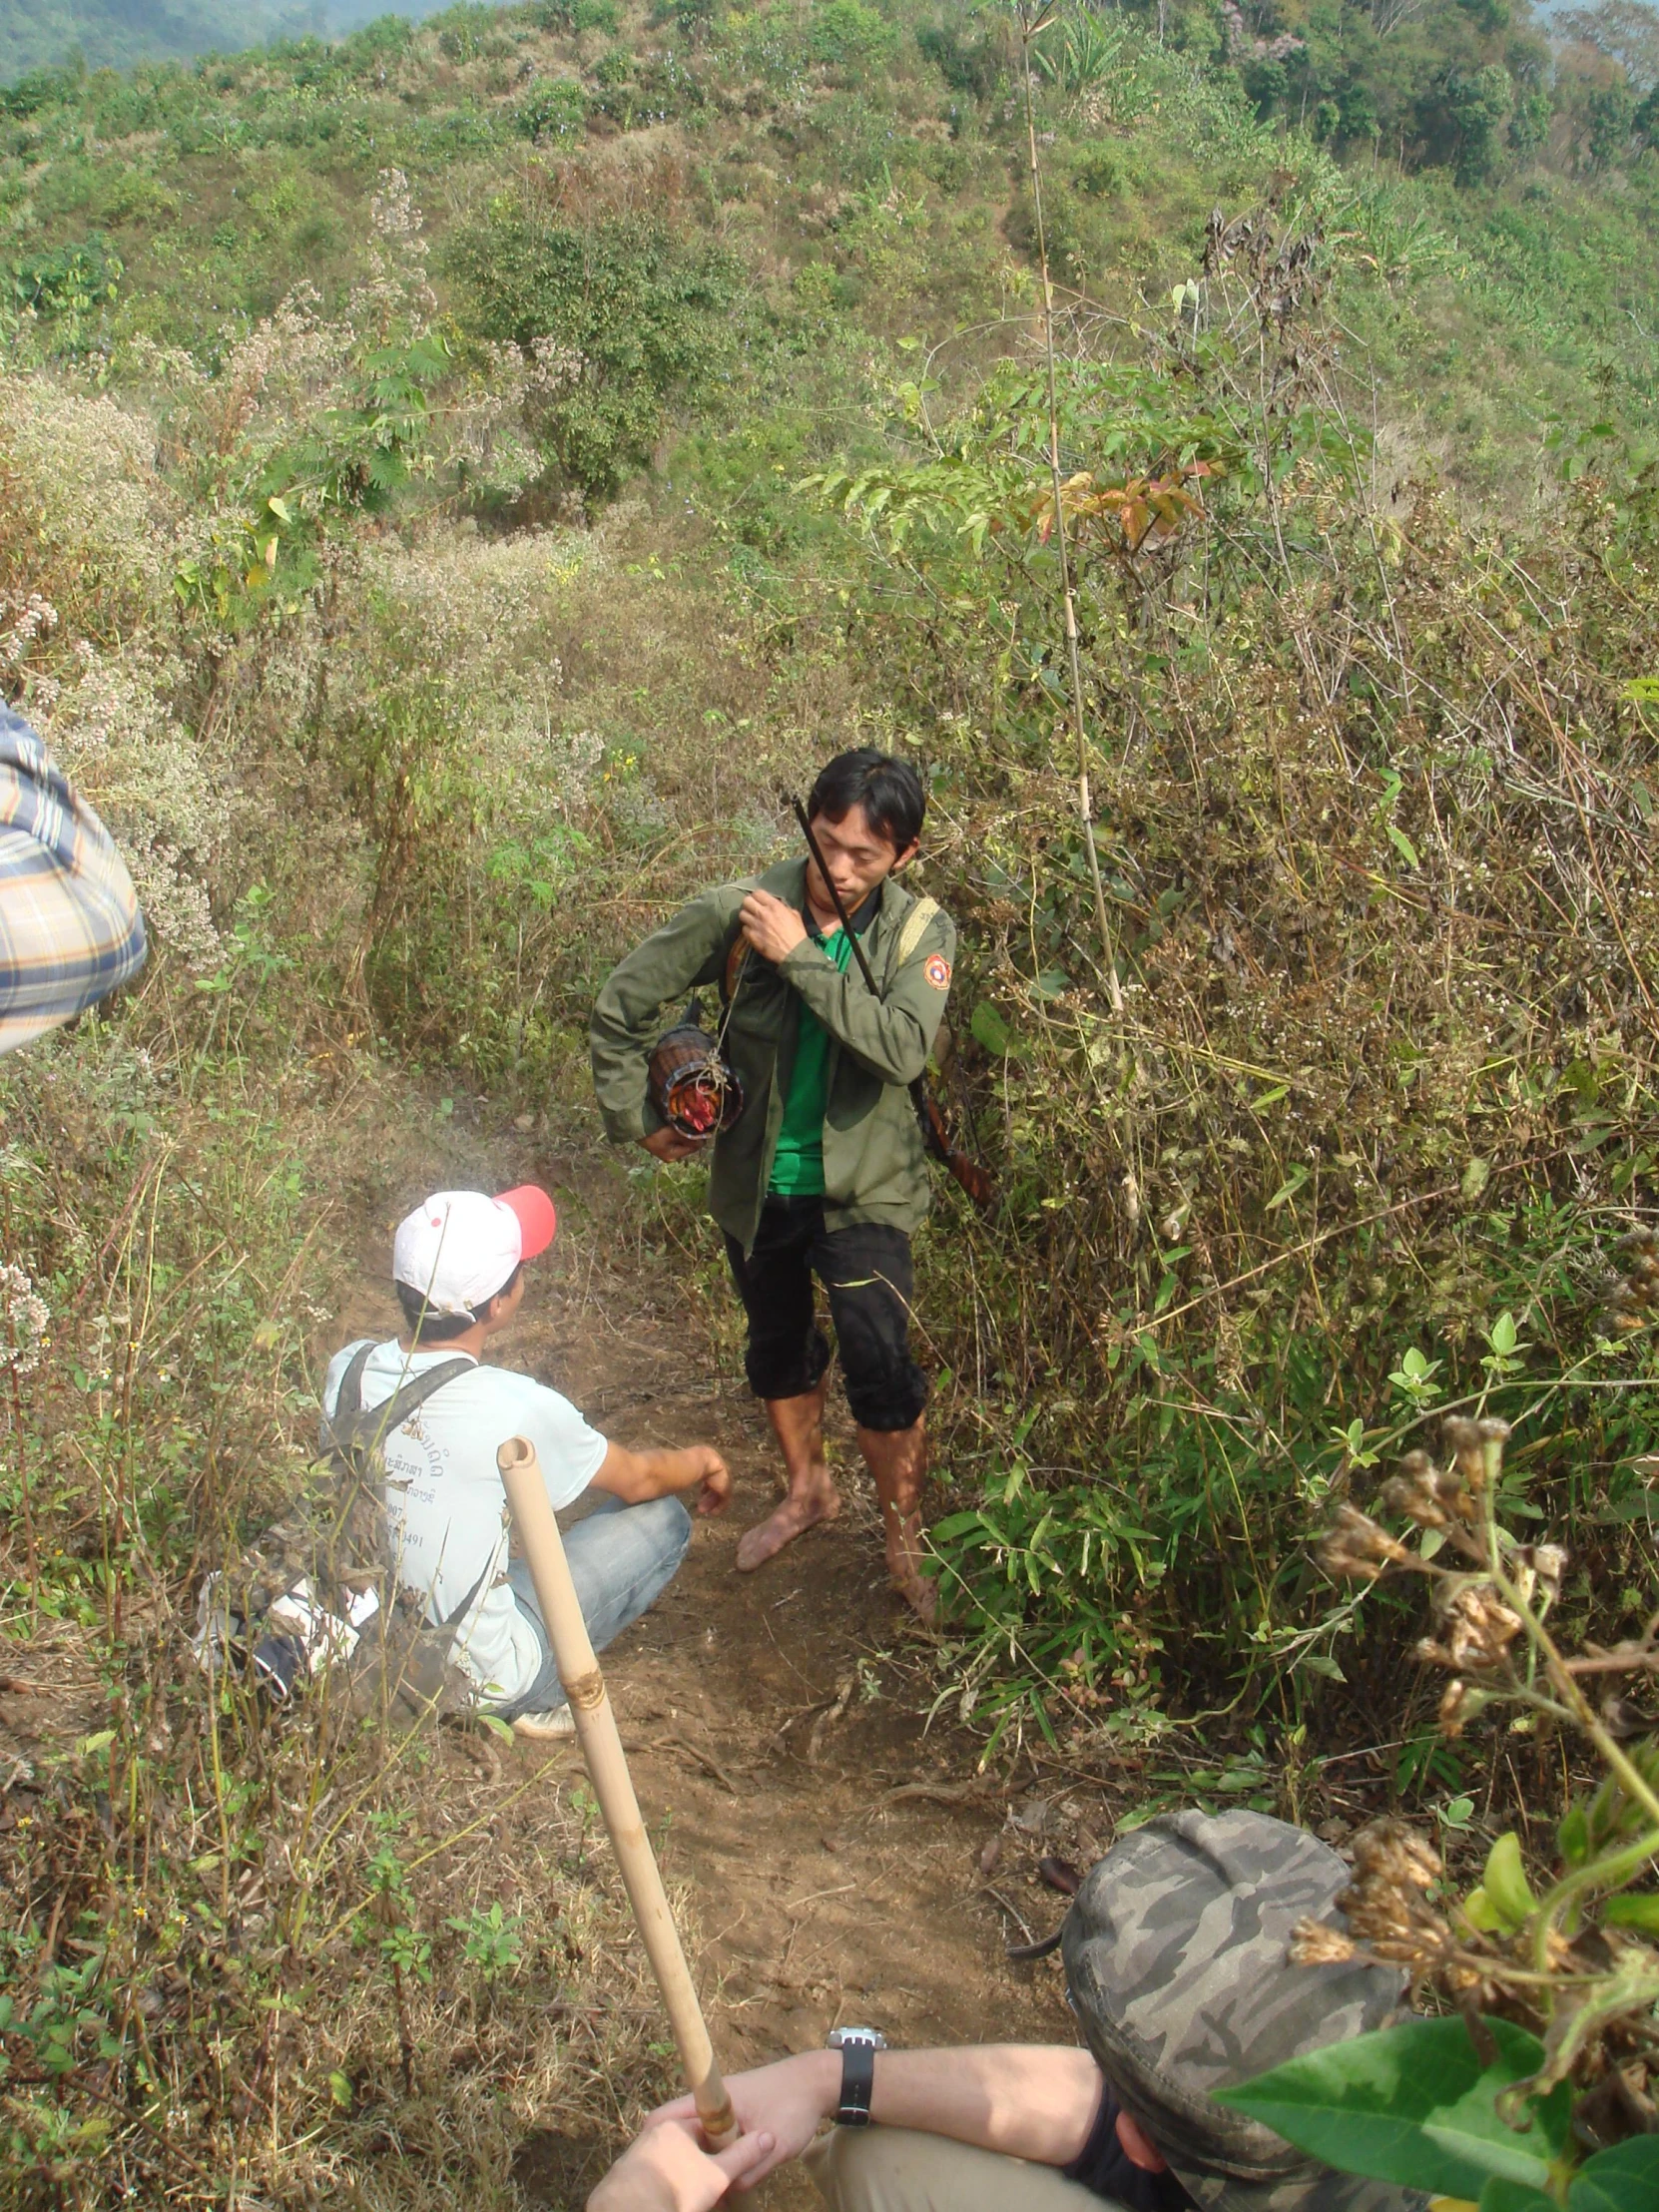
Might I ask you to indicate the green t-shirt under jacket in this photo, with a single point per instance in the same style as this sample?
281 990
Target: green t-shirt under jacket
873 1166
798 1163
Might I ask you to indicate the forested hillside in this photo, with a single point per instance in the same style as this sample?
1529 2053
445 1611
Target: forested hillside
105 34
114 34
454 481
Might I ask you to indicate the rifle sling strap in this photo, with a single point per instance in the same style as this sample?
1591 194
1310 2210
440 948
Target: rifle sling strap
909 938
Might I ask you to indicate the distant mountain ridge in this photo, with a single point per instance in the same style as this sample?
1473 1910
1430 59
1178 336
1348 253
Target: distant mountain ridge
112 34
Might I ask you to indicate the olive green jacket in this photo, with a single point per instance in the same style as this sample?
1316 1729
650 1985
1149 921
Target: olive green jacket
875 1169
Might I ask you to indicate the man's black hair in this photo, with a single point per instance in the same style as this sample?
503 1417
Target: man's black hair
888 790
427 1328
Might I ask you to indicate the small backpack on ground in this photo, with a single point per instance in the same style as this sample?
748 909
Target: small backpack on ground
317 1592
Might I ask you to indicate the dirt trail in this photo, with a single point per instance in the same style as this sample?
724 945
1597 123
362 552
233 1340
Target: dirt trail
833 1853
761 1724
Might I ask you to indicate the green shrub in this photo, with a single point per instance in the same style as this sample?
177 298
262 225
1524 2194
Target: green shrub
975 68
463 31
66 287
1184 1462
623 315
555 109
843 34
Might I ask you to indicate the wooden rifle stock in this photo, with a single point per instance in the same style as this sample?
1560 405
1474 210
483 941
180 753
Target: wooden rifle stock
935 1134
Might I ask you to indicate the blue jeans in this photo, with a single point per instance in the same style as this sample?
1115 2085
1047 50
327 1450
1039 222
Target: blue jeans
620 1559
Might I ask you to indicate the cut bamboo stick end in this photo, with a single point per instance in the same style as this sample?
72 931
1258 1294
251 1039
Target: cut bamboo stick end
596 1732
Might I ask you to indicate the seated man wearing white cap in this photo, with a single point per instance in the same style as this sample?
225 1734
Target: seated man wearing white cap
459 1266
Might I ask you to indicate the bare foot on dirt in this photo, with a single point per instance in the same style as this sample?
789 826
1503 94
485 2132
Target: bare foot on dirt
798 1512
920 1593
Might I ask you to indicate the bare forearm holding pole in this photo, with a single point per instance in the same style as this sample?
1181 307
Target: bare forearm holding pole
1023 2101
596 1731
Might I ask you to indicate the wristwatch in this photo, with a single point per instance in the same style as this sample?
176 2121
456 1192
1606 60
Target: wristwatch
857 2047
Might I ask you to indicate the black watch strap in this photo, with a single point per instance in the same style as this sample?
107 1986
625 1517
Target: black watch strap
858 2080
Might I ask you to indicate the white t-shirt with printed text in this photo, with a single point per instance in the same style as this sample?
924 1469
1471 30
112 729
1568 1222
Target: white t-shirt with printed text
446 1511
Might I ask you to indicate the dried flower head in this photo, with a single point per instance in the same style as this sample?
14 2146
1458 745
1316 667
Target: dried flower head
1477 1628
1313 1943
1411 1492
25 1316
1463 1440
1386 1906
1355 1545
1400 1929
1426 1495
1461 1703
1389 1853
1537 1570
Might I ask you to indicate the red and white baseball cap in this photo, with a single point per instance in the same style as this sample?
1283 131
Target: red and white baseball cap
458 1247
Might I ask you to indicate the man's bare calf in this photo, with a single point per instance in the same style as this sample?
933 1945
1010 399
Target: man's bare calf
798 1423
897 1460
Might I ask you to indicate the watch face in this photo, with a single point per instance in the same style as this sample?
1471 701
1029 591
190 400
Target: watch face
840 2037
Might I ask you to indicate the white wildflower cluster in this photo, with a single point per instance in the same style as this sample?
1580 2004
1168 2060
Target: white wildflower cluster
554 368
1241 45
117 739
286 368
398 285
483 422
28 1316
392 210
539 769
633 805
580 752
287 359
479 609
88 466
22 621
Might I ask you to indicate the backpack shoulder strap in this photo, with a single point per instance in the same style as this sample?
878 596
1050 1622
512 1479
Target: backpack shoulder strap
348 1429
403 1403
348 1398
915 929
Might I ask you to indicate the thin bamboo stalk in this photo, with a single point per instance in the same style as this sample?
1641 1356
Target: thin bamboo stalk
596 1731
1030 25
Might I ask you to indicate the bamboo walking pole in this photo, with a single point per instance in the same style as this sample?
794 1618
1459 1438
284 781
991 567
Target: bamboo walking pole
596 1731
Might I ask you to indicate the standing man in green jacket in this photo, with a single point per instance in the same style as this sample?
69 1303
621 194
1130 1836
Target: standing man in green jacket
824 1172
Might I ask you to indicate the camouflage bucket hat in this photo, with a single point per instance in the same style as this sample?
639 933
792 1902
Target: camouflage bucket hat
1176 1955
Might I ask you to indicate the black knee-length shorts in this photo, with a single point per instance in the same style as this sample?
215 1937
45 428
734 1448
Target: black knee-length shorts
868 1273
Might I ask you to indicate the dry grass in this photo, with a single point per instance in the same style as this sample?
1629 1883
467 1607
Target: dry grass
291 1953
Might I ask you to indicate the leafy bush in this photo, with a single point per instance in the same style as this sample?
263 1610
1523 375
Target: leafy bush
1246 935
845 34
613 318
1555 2051
67 284
975 67
554 110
